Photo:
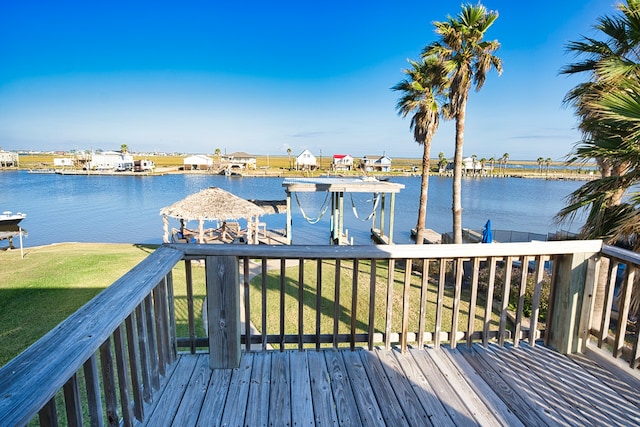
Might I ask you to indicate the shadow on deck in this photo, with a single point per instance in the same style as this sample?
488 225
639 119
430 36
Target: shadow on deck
478 386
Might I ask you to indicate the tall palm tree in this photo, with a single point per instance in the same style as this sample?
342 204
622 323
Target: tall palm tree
421 93
467 58
474 160
505 159
607 107
442 162
540 163
492 161
289 156
547 163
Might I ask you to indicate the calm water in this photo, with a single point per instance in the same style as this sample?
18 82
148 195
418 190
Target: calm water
126 208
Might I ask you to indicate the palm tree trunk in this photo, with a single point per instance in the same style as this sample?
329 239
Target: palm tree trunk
457 176
424 188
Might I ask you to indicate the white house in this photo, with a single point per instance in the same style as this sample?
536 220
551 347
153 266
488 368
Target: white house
198 162
342 162
110 160
376 163
63 162
238 160
469 166
306 160
8 159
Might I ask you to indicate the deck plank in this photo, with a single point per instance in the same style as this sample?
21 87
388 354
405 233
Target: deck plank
480 386
437 414
195 393
596 397
455 407
324 409
534 383
414 412
168 404
483 391
507 385
214 401
258 406
301 402
479 410
280 400
368 408
346 407
238 395
381 387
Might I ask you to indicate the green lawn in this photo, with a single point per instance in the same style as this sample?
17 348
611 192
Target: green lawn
51 282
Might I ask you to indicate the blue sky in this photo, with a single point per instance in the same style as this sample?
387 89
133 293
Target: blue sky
262 77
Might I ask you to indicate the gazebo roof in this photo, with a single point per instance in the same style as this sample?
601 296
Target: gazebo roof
212 204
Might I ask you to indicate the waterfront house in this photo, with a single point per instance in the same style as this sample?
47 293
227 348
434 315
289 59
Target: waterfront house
238 160
342 162
110 160
376 163
306 160
63 162
373 341
8 159
198 162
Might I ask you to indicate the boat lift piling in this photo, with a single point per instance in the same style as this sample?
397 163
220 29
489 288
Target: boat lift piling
338 187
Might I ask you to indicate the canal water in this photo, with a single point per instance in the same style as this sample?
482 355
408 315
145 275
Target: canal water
125 209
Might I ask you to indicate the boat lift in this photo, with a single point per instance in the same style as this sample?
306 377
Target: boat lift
337 187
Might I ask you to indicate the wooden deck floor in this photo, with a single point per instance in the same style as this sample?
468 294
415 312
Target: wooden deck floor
508 386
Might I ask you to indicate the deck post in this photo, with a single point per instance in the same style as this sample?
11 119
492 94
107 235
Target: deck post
288 231
565 307
391 217
223 311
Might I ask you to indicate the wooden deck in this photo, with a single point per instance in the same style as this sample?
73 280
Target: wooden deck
507 386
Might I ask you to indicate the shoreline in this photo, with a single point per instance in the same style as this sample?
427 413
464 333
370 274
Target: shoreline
280 173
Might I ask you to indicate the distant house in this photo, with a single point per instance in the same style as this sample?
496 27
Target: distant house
342 162
198 162
238 160
110 160
143 166
469 166
306 160
376 163
63 162
8 159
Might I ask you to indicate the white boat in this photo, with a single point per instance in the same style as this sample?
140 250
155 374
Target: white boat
8 218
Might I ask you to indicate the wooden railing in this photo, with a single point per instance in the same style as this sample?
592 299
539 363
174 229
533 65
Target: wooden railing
615 305
300 297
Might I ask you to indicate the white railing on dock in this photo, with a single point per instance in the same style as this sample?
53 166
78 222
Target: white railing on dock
311 296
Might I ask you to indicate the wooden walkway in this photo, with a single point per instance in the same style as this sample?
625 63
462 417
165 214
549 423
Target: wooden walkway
507 386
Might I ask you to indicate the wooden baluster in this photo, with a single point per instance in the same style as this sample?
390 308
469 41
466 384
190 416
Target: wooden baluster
623 309
473 301
92 382
154 358
318 301
524 271
170 311
124 382
300 304
72 401
506 288
160 327
247 301
608 303
389 309
457 291
48 415
190 310
109 384
354 302
336 302
283 268
440 303
138 406
405 304
143 347
489 305
535 302
264 304
423 301
372 302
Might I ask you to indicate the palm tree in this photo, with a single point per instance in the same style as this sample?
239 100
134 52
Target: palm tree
474 158
467 60
421 90
492 161
540 162
124 148
289 156
505 159
442 162
607 107
483 162
547 163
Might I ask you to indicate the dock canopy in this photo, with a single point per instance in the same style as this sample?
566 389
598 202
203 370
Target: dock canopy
337 187
211 204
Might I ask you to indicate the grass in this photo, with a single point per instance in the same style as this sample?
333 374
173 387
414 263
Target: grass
50 283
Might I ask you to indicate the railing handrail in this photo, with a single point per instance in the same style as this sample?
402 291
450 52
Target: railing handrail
404 251
621 254
27 384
